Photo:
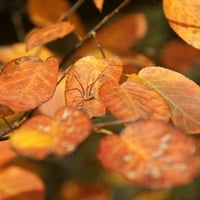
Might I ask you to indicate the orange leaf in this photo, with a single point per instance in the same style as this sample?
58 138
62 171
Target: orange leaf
179 56
18 183
27 82
99 4
183 16
181 94
76 191
152 154
132 100
84 79
7 152
48 33
42 136
8 53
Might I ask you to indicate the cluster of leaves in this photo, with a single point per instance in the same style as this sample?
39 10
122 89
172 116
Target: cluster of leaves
157 106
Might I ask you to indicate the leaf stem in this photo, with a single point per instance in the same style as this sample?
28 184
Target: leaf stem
95 29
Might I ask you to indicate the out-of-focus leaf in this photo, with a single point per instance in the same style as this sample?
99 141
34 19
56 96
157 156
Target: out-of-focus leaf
42 136
84 79
8 53
27 82
53 11
50 107
77 191
99 4
183 16
7 152
152 154
179 56
47 34
18 183
132 100
127 32
181 94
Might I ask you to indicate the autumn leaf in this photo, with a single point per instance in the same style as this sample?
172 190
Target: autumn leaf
27 82
74 191
181 94
183 16
7 153
84 79
42 136
173 56
132 100
47 34
53 12
152 154
99 4
10 52
19 183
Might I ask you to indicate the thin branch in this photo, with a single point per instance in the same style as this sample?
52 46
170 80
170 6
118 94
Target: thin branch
72 10
123 121
95 29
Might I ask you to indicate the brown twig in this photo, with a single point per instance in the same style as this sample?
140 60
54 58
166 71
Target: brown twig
95 29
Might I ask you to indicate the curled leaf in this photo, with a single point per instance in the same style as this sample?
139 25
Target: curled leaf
27 82
48 33
42 136
181 94
152 154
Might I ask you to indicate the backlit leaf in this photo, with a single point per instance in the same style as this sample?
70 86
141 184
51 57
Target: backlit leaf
7 152
27 82
84 79
18 183
42 136
132 100
181 94
183 16
93 191
99 4
8 53
48 33
152 154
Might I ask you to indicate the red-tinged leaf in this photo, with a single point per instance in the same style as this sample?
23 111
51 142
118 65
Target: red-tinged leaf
174 53
183 16
75 191
181 94
48 33
5 111
132 100
18 183
84 79
99 4
27 82
152 154
42 136
7 153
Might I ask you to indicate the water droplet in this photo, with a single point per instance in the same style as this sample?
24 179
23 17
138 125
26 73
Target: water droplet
165 138
157 154
66 114
131 175
127 157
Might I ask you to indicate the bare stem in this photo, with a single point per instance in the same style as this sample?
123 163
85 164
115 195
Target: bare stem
95 29
117 122
72 10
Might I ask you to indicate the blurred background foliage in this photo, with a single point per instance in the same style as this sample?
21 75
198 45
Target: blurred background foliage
82 166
